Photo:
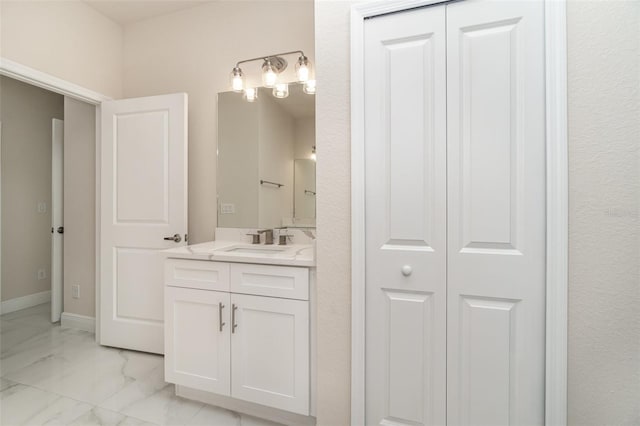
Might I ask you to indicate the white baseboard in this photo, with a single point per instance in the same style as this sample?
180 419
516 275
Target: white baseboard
24 302
79 322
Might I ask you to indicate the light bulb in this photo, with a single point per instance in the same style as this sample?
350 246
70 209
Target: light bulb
251 94
309 87
302 69
281 90
269 75
237 80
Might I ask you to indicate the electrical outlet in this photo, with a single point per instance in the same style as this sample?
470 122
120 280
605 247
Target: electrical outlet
42 207
42 274
75 291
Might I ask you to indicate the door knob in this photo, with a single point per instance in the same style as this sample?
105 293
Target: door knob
407 270
60 230
176 237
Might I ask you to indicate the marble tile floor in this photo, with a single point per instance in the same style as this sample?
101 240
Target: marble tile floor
56 376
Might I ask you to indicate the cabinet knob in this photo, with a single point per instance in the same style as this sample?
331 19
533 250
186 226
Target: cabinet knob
407 270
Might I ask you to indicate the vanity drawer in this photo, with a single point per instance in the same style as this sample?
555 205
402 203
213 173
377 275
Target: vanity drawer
268 280
200 274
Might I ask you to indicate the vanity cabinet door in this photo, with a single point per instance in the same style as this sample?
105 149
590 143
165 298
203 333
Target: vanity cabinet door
270 352
197 339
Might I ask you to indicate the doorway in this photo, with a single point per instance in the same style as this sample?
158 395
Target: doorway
26 196
65 176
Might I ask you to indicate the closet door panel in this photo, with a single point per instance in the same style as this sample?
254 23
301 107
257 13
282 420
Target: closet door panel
496 213
405 144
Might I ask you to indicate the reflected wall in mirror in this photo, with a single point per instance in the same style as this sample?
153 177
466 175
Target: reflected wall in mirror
266 160
304 192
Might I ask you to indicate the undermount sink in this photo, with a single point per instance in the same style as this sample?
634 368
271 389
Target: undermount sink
254 249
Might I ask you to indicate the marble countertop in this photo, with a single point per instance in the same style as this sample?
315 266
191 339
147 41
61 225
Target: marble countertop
222 251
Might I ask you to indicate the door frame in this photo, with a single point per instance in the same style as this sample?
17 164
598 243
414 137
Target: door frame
57 171
49 82
557 193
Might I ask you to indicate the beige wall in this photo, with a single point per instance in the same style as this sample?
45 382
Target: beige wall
66 39
239 158
79 206
604 328
26 113
194 51
604 280
305 137
276 147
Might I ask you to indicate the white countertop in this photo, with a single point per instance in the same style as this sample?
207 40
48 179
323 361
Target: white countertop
291 255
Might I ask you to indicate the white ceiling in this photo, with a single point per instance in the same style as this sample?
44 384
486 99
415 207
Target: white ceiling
127 11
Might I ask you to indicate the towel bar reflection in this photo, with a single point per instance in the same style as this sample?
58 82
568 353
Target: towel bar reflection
262 182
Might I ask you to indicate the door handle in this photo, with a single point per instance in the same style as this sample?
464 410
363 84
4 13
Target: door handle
233 318
220 308
60 230
176 238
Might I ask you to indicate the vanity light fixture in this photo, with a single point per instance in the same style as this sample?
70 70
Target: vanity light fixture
309 87
302 68
251 94
272 67
237 79
281 90
269 75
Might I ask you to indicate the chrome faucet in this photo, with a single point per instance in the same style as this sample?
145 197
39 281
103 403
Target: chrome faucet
268 235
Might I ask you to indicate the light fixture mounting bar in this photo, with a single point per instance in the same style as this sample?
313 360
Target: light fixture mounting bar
275 55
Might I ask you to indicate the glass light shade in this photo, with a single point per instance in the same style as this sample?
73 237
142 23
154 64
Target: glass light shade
309 87
269 74
302 69
281 90
251 94
237 80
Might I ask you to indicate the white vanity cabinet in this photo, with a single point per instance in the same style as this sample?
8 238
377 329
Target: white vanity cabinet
239 330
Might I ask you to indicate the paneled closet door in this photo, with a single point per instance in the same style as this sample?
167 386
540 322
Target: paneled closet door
405 156
496 213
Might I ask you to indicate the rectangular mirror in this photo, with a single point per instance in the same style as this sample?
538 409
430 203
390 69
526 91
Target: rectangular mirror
266 160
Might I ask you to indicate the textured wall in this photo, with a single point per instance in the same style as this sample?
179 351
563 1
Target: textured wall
604 280
67 39
333 174
26 112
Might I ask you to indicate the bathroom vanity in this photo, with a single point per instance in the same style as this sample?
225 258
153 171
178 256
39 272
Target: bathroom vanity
239 326
239 318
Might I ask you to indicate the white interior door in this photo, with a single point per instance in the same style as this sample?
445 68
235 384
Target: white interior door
57 214
143 202
496 208
405 172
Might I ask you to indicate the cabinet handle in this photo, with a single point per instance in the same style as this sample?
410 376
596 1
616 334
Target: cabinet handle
233 318
220 308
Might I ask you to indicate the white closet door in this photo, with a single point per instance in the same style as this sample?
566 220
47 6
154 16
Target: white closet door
496 213
405 144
